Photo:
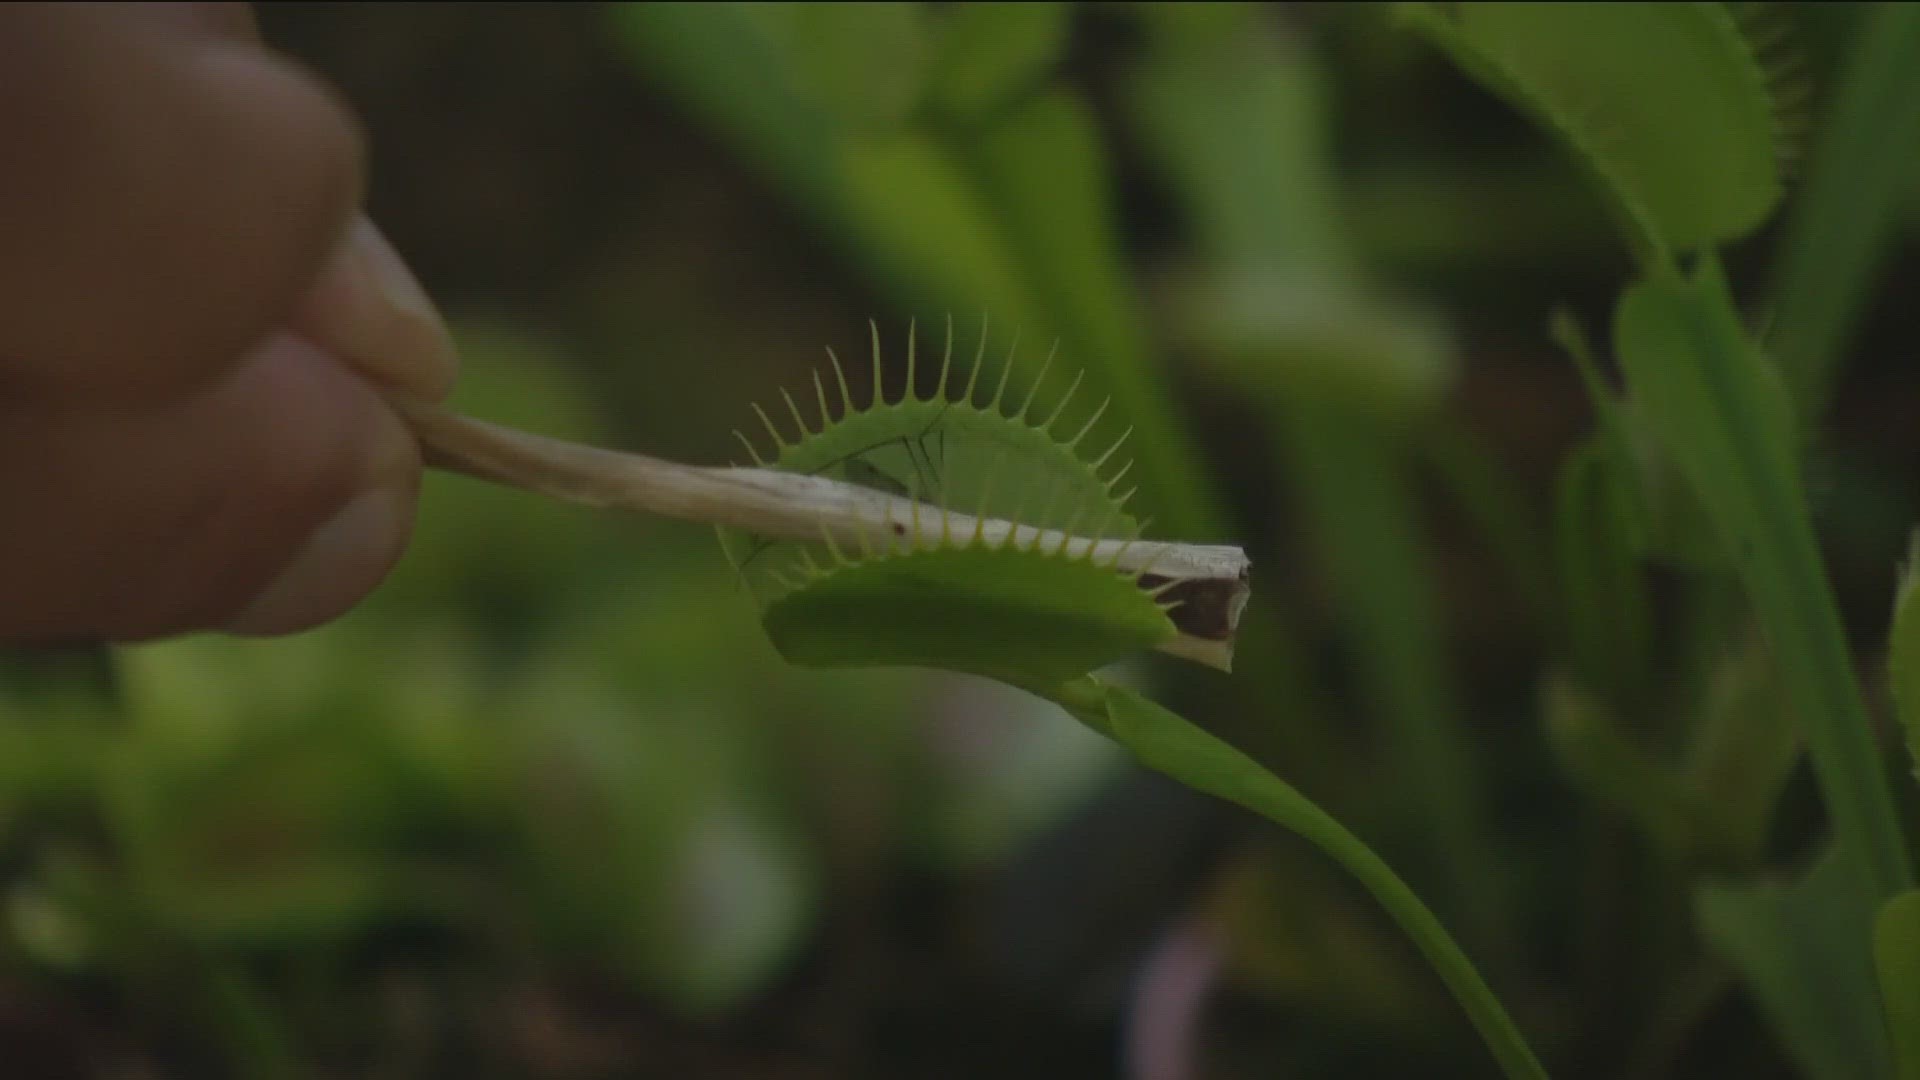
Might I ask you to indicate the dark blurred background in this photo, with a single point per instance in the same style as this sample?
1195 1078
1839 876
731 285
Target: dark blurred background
550 806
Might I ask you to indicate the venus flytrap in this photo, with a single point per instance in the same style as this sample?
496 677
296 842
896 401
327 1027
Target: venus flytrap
1685 125
1685 116
960 531
793 506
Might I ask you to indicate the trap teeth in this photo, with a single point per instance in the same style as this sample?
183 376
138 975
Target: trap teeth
1006 460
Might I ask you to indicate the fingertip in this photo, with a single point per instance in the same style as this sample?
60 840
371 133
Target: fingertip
338 565
352 532
367 308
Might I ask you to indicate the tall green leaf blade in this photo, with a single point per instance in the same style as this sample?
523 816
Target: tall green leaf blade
865 64
728 69
1241 126
894 201
1043 170
1604 764
1494 501
1897 953
1167 742
1847 213
1354 484
991 52
1607 612
1903 655
905 208
1799 947
1719 411
1745 747
1237 120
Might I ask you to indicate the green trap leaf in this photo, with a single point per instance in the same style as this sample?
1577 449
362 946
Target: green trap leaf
1667 105
1027 617
1023 608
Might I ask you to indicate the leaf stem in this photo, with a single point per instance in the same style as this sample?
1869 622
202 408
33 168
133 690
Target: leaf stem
1170 743
1353 481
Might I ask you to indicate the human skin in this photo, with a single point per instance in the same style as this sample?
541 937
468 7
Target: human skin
199 331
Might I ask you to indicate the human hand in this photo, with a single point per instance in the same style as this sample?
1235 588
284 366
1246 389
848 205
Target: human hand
197 328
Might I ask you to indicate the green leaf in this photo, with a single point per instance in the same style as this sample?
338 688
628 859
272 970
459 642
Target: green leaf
1606 608
1023 616
1718 410
1020 608
967 445
1043 170
897 203
1012 218
1303 340
253 1031
1241 126
865 64
1483 485
991 52
1711 809
1745 748
1239 122
905 207
1605 764
1903 654
732 70
1354 485
1799 946
1665 104
971 448
1210 24
1167 742
1846 216
1897 951
1657 517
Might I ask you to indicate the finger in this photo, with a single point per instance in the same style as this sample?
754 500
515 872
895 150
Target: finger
170 193
235 22
367 308
269 502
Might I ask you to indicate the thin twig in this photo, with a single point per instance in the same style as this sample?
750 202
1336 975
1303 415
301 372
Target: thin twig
1211 581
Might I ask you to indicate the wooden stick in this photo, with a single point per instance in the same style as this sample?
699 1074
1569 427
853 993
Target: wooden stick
1211 581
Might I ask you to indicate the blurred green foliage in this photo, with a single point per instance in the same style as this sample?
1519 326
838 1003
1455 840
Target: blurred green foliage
550 804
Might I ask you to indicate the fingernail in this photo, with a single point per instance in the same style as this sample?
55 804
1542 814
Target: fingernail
340 563
369 309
